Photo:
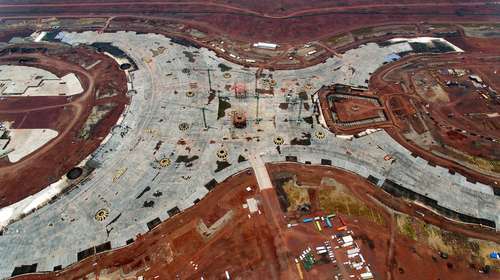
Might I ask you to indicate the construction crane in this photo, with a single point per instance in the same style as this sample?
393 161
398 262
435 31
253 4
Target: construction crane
202 108
293 101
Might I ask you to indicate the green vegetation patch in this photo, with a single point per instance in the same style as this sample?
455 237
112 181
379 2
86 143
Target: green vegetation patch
341 39
338 199
454 244
296 195
405 226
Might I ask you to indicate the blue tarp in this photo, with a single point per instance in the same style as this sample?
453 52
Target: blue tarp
495 255
391 57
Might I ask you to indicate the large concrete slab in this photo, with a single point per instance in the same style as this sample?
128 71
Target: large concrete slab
131 185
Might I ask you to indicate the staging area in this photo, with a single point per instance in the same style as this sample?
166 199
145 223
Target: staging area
156 140
350 229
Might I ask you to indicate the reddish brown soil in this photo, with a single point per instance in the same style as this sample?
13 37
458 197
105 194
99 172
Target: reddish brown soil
356 110
293 22
6 35
290 23
402 114
469 44
312 175
411 260
246 247
262 246
254 20
375 239
63 114
344 110
406 110
446 120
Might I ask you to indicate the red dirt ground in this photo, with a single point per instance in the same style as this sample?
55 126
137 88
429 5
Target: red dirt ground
375 239
291 23
63 114
366 110
447 120
262 246
393 84
244 246
350 110
282 21
294 22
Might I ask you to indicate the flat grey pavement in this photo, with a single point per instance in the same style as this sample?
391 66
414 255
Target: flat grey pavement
165 121
260 170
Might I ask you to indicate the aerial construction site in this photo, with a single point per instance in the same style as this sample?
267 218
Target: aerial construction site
249 140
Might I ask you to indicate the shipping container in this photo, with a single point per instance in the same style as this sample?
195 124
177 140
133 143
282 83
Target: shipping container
347 238
350 256
318 226
307 220
353 251
328 222
347 244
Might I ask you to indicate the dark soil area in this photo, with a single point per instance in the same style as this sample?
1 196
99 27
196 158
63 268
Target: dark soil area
60 113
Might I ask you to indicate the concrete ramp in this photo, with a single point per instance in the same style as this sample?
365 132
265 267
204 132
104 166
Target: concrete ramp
260 170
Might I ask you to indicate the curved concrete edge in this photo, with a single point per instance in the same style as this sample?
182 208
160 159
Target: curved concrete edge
14 212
